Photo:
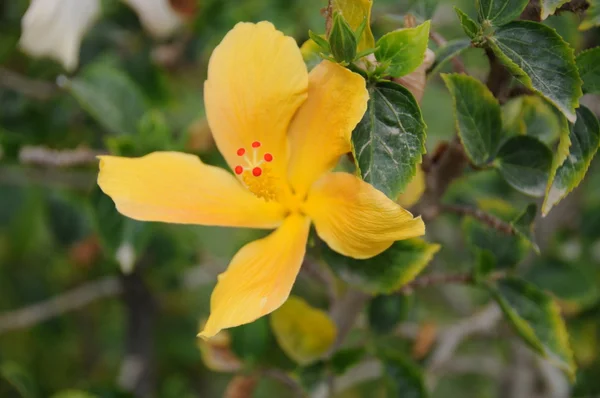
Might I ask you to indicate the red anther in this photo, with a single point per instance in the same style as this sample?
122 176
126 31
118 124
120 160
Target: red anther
241 152
256 172
255 144
239 170
268 157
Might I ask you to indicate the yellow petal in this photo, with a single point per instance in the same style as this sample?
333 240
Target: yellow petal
321 131
304 333
256 82
414 190
259 278
356 219
178 188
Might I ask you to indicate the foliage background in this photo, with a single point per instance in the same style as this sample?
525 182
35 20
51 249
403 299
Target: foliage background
58 232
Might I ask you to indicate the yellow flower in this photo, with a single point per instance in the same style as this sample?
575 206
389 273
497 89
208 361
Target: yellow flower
281 130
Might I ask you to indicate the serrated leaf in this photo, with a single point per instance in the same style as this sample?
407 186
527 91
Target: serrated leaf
507 250
304 333
355 12
574 288
523 224
548 7
386 272
470 27
110 97
585 138
385 312
536 318
537 56
588 63
403 378
389 141
444 54
500 12
403 50
478 117
524 162
592 16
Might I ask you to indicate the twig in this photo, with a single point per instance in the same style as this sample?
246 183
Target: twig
81 296
72 300
37 89
519 91
367 370
574 6
451 337
457 63
41 156
284 378
444 279
344 313
482 216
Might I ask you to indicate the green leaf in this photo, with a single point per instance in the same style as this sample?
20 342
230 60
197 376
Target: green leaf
485 264
500 12
304 333
403 378
320 41
588 63
389 141
470 27
20 380
549 7
585 139
73 394
356 12
478 117
536 318
592 16
574 288
562 151
344 359
537 56
342 41
444 54
507 250
403 50
534 116
523 224
110 97
250 341
424 8
386 272
385 312
524 162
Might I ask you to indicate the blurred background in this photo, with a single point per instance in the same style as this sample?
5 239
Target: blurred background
94 302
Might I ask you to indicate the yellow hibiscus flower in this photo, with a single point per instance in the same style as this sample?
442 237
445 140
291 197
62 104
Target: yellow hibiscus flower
281 130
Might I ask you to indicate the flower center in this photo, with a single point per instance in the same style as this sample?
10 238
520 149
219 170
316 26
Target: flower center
256 173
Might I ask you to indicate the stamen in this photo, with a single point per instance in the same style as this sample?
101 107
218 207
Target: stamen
255 144
268 157
256 172
239 170
241 152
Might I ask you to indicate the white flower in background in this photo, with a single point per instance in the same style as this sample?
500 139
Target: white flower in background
157 16
55 28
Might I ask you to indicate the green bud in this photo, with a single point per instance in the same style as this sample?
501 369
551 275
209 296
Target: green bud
342 40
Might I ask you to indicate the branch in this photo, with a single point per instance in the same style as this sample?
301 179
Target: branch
444 279
70 301
36 89
482 216
41 156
